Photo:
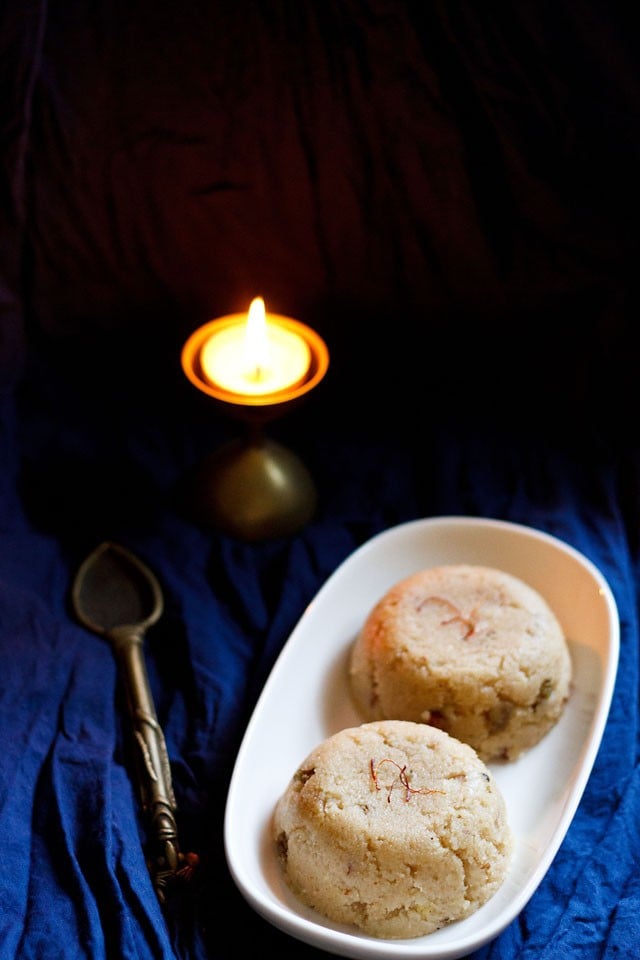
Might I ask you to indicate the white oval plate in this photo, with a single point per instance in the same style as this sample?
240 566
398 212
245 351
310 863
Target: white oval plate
306 699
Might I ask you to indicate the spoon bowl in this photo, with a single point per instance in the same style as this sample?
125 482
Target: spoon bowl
113 589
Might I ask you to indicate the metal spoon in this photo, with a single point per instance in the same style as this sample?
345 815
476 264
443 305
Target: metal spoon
115 595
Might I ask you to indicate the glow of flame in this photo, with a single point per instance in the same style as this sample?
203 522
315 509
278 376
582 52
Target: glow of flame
256 341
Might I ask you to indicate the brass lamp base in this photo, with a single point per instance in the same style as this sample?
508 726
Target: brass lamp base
253 489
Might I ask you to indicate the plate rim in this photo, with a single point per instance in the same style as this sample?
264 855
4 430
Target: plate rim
358 945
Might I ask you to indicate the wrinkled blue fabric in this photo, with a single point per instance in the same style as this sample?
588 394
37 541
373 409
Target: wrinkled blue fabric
448 194
74 882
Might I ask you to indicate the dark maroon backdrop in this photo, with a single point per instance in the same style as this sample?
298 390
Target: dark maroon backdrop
446 191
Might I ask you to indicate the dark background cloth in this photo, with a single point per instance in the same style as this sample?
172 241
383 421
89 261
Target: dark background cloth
447 193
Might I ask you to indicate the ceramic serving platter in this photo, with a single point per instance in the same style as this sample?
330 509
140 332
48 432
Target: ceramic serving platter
306 699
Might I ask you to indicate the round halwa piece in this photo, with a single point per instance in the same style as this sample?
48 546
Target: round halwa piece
393 827
470 649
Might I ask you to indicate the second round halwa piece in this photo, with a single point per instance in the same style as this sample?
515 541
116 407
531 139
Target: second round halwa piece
395 827
470 649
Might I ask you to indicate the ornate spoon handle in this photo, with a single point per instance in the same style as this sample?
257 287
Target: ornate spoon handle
153 769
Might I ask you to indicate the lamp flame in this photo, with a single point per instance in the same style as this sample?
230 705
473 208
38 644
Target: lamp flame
256 341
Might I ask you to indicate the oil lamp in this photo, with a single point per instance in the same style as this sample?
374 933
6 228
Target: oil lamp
255 366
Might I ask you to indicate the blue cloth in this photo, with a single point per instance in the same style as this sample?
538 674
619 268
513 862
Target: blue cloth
448 194
74 881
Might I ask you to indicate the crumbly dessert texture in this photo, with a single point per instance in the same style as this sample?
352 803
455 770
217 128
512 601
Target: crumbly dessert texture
393 827
470 649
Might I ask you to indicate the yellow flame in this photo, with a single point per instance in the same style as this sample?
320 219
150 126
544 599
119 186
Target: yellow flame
256 340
